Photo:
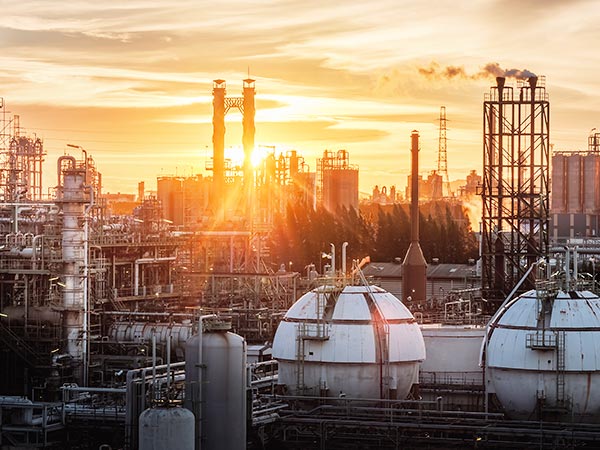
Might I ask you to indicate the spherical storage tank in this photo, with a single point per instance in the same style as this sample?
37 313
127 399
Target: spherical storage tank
166 428
544 356
359 341
216 362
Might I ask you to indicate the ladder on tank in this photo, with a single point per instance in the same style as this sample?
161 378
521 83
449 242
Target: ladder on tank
560 369
315 331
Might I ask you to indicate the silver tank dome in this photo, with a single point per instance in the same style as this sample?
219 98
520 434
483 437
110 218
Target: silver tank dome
544 355
357 341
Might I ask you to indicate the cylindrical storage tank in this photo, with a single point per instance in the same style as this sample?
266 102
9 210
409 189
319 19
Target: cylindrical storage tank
591 190
165 428
360 341
574 184
559 187
142 332
220 405
463 342
340 188
535 370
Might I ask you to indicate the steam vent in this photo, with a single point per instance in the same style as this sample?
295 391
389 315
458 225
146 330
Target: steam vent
349 342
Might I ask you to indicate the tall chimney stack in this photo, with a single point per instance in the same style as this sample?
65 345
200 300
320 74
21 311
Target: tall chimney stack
218 139
248 114
414 276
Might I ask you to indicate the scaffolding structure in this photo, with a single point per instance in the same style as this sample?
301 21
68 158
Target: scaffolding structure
21 159
594 142
442 154
515 184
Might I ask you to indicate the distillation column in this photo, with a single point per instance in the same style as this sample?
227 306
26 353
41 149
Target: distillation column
73 200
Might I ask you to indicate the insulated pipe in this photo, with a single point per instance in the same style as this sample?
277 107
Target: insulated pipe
568 267
136 272
575 269
344 245
332 260
59 165
34 245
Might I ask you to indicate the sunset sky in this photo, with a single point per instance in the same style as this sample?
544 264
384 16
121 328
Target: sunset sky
131 81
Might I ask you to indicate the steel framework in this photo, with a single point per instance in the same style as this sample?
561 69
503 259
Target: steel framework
21 159
515 184
442 153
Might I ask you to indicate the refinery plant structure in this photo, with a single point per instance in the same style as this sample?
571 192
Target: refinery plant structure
127 331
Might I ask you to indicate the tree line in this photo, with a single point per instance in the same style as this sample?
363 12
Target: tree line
302 234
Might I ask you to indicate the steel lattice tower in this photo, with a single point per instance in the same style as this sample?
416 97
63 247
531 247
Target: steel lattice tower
515 185
442 155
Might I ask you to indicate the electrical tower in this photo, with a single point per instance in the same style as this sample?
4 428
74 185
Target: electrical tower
442 155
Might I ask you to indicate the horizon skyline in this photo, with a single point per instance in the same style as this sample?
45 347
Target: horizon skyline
132 83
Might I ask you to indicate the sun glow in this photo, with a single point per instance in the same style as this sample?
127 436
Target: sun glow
235 155
258 155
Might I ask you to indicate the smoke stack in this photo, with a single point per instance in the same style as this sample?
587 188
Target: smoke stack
414 190
533 84
500 83
414 276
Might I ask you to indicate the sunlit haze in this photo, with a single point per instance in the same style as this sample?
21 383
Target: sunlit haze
131 81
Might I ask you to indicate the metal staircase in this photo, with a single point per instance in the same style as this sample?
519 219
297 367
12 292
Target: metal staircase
21 348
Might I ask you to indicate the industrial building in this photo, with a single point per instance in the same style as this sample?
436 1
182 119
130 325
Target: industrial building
337 181
575 205
130 331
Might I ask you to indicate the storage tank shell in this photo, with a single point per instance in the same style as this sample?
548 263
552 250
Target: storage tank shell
520 374
346 362
559 186
165 428
591 189
340 188
223 401
142 332
574 176
452 354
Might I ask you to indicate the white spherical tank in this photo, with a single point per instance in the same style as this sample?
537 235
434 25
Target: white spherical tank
220 404
166 428
544 356
361 342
